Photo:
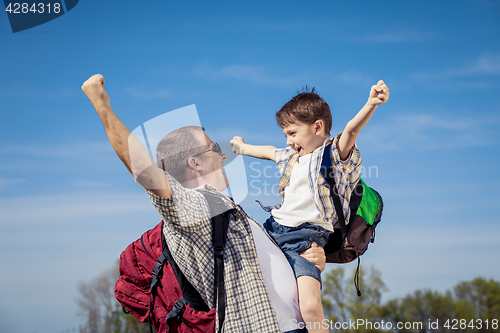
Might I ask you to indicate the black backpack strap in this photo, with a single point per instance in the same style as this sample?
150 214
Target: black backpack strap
177 311
220 223
327 171
154 283
219 240
189 294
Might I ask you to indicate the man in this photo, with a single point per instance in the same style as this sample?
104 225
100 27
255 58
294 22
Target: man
260 287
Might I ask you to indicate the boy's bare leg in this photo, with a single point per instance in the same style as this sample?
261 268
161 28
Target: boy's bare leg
310 304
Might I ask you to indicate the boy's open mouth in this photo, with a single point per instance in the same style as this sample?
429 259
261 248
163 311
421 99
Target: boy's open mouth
299 149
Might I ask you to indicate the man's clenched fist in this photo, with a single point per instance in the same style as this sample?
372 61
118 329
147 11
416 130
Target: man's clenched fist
94 89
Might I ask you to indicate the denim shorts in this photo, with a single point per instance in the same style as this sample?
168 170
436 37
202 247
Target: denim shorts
301 330
295 240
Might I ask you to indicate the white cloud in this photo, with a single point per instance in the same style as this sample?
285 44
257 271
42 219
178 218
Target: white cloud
420 131
266 76
484 66
225 134
144 92
87 184
271 26
426 131
85 150
490 3
261 75
62 209
352 77
48 157
5 182
82 232
25 92
393 37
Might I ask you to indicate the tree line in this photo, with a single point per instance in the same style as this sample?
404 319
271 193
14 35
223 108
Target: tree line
471 306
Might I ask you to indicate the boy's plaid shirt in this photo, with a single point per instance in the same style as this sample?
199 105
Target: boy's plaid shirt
346 177
188 232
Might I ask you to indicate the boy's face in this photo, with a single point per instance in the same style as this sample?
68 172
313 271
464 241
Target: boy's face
304 138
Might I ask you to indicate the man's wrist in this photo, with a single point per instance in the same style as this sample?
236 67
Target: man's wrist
101 105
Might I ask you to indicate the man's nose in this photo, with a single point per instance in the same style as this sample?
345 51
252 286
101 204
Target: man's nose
223 156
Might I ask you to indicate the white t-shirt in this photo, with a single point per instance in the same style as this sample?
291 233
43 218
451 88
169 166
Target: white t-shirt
279 278
298 206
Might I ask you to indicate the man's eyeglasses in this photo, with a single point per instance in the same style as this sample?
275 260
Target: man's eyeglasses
216 149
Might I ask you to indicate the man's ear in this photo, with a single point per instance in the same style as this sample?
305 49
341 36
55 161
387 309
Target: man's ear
193 163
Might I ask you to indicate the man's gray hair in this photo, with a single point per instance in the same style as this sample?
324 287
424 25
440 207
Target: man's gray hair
174 150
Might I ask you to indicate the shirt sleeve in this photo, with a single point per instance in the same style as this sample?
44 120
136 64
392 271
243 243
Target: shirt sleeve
351 167
186 211
282 156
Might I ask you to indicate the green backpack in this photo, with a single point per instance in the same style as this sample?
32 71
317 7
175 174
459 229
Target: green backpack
349 242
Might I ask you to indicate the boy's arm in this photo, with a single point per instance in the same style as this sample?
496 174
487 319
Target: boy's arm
130 151
262 152
379 94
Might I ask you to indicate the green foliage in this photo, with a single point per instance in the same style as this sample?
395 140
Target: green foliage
342 304
469 307
478 299
419 309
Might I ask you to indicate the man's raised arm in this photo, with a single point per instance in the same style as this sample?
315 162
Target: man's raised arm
130 151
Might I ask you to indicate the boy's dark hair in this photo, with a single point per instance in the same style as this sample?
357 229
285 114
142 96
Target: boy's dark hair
306 107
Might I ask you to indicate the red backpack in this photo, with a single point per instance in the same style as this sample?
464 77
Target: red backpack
152 288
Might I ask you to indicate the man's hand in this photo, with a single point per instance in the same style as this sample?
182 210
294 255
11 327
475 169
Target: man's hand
316 255
237 142
94 89
379 93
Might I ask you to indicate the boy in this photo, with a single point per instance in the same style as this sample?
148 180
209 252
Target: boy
307 213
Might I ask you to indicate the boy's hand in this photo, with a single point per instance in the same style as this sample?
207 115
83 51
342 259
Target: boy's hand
237 142
242 148
379 94
94 89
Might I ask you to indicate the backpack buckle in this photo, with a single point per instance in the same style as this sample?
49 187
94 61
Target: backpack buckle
218 249
177 310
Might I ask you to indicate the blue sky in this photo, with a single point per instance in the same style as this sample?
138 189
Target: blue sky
68 207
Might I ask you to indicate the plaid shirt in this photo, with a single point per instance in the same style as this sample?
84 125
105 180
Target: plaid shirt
188 233
346 177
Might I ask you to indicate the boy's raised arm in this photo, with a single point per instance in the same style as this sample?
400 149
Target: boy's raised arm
130 151
242 148
379 94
